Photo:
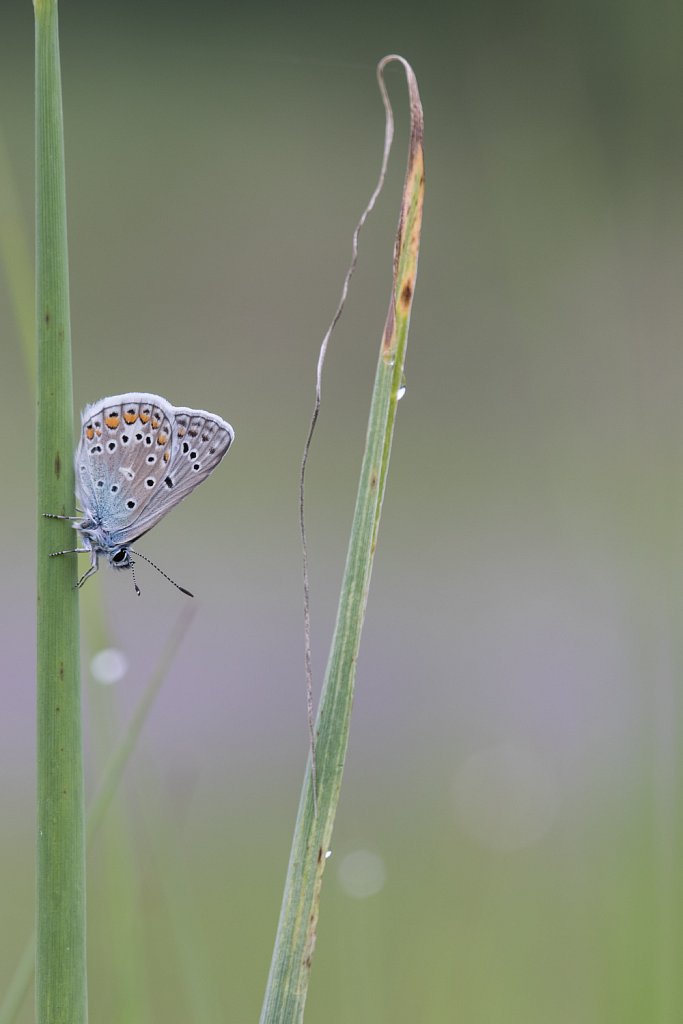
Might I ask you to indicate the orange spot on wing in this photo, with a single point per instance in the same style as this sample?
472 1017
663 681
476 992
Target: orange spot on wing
130 417
98 431
162 439
90 433
144 416
167 455
112 421
181 431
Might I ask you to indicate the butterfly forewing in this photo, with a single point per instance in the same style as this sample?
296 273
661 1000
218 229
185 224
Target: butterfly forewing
124 449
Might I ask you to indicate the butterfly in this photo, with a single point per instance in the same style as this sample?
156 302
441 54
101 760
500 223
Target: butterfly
137 457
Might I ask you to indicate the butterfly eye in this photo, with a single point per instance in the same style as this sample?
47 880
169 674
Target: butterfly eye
119 557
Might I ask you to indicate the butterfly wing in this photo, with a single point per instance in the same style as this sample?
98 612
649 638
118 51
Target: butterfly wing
122 456
200 440
138 456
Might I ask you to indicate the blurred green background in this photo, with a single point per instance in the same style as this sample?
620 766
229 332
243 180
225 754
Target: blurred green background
508 844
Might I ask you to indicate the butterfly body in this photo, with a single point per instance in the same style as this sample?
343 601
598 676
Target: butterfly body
99 541
137 457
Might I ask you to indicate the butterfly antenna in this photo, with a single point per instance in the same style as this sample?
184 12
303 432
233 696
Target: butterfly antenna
161 571
137 589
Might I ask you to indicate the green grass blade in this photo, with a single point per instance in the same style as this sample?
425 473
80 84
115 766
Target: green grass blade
61 993
114 768
106 791
18 988
16 262
295 940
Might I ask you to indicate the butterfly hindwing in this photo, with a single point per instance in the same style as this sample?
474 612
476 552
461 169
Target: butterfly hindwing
200 441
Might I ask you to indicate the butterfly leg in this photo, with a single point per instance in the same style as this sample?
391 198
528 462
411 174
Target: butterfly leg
84 577
94 564
51 515
81 551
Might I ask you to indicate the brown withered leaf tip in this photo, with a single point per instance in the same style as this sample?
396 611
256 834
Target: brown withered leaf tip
389 327
411 214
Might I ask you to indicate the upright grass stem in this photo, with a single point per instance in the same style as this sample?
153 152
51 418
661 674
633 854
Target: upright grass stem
61 992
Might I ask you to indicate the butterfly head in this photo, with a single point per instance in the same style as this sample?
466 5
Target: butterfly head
119 558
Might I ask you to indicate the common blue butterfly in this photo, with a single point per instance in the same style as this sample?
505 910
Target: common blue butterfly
137 457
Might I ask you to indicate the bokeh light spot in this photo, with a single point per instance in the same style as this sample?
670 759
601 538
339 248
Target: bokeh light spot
505 797
109 666
362 874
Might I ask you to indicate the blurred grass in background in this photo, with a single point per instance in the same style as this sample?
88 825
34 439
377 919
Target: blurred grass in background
514 769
